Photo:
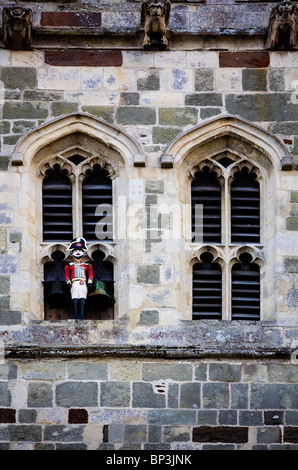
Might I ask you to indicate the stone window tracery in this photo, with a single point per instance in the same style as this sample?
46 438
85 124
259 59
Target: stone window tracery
226 283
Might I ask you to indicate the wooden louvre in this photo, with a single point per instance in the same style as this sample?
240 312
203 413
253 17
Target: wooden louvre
57 206
245 290
205 190
97 190
245 208
207 289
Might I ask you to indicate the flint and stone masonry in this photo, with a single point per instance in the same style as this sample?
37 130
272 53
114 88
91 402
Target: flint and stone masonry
151 378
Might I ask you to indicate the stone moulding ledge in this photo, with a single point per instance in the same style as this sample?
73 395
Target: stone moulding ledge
147 352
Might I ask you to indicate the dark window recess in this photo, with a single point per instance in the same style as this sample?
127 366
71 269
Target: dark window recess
245 208
57 300
245 289
205 189
57 206
100 301
97 206
207 289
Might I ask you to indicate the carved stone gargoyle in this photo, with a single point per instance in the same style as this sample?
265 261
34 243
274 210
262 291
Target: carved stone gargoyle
155 17
283 26
17 27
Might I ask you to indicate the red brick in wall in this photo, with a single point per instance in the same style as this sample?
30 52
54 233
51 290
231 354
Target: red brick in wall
83 57
248 59
70 18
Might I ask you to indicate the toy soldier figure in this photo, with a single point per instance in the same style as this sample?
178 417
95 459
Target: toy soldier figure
78 275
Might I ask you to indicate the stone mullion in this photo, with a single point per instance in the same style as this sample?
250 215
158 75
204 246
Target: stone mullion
77 212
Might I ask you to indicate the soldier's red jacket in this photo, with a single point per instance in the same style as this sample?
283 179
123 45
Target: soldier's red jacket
78 271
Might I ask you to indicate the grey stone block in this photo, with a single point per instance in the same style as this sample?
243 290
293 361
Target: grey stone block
172 417
163 370
274 396
254 80
27 416
143 396
190 395
204 80
149 83
116 432
154 433
19 77
262 107
5 396
133 115
268 435
87 370
173 395
178 116
148 275
239 395
25 433
164 135
227 417
63 433
154 186
250 418
224 372
276 80
114 394
207 417
176 434
40 395
76 394
135 433
203 99
215 395
8 371
25 110
148 317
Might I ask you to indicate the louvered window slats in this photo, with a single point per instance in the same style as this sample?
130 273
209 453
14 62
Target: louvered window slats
245 209
245 292
206 191
97 190
207 291
57 207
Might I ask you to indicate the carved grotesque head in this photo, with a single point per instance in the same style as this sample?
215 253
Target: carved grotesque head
285 6
156 8
17 11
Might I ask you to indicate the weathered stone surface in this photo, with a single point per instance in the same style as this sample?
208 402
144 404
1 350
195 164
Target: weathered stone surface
254 80
262 107
40 395
25 110
224 372
144 396
190 395
148 275
19 77
76 394
136 115
157 371
114 394
203 99
215 395
178 116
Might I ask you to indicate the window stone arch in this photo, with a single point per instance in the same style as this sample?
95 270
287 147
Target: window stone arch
227 146
76 144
